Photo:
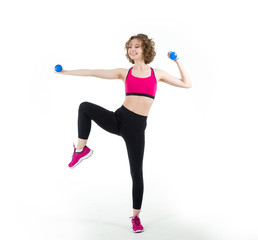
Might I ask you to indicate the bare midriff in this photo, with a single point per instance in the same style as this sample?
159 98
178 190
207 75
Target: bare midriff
138 104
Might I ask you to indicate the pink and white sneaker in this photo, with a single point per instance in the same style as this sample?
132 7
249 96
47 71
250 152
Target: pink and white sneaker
137 226
78 157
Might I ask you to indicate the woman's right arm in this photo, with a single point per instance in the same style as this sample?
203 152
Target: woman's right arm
99 73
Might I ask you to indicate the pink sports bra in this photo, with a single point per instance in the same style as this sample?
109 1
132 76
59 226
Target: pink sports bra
141 86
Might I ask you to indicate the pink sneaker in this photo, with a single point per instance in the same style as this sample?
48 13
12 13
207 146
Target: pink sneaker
79 156
137 226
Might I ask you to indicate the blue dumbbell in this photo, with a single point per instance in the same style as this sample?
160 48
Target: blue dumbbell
172 55
58 68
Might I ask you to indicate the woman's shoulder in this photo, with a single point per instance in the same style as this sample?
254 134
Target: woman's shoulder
124 71
158 70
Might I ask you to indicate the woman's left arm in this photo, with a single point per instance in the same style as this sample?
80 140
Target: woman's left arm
184 82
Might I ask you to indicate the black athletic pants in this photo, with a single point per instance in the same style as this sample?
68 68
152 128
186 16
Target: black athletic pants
127 124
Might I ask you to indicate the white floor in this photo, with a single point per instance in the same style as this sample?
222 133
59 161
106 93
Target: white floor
101 226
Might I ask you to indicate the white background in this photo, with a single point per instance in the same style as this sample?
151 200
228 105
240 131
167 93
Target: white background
200 163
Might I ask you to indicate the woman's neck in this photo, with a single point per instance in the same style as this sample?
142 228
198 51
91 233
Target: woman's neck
141 66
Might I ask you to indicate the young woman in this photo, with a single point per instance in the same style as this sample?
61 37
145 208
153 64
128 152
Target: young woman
130 120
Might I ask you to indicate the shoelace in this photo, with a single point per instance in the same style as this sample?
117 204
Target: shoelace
136 221
74 150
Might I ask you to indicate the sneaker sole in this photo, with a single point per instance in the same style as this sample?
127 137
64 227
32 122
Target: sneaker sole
83 158
138 231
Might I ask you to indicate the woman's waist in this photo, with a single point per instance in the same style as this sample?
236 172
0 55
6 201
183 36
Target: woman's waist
138 104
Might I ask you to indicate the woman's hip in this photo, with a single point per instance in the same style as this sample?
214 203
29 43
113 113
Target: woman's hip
130 121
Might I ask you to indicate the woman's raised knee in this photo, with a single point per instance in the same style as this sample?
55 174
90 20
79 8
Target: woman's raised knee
84 106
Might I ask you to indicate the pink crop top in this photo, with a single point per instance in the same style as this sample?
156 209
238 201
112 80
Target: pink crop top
141 86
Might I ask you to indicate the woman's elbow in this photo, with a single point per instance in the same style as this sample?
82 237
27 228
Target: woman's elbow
187 83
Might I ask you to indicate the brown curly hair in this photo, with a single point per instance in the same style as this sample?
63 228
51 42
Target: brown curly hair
147 45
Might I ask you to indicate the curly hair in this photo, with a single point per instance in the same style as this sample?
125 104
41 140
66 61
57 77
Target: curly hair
148 47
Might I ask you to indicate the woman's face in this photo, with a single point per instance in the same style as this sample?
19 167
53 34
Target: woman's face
135 51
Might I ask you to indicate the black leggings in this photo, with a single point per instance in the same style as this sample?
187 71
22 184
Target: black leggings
127 124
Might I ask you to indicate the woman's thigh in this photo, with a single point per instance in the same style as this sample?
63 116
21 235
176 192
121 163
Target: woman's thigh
106 119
